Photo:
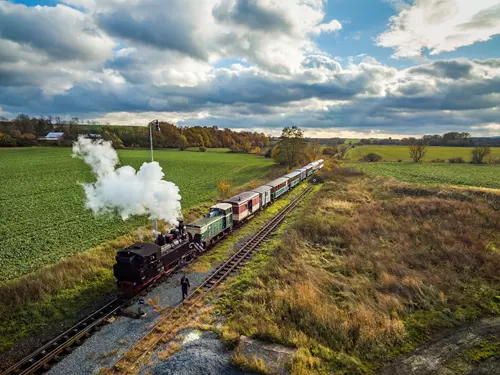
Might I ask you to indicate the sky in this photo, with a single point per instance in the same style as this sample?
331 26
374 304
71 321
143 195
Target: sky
337 68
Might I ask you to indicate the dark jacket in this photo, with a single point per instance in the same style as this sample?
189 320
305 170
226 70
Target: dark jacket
185 282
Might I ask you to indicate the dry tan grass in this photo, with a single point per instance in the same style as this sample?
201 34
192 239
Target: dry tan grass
371 272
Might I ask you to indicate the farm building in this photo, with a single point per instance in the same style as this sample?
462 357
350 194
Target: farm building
52 136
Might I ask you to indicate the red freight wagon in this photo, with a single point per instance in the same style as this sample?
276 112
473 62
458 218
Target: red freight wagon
244 205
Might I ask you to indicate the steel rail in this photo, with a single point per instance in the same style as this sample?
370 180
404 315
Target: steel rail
52 351
131 358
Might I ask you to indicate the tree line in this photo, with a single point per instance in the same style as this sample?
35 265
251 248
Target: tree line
451 139
25 131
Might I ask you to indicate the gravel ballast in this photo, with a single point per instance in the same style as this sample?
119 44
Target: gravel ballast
104 347
202 354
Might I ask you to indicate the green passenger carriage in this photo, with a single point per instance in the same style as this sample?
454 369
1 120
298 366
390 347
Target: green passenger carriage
278 187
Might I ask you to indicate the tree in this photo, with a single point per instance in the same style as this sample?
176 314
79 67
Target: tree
479 153
417 150
290 148
342 151
182 142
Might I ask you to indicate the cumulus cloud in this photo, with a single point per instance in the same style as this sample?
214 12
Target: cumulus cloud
440 26
240 63
49 47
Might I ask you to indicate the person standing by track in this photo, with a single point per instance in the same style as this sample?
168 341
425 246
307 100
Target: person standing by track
185 286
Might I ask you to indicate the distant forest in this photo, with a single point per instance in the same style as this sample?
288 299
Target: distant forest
452 139
26 131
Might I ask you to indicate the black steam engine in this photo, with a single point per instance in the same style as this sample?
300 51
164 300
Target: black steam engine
143 263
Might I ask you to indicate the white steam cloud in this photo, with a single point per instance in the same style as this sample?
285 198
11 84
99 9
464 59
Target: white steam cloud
125 190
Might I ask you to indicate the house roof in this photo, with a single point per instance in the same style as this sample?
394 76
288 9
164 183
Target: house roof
54 135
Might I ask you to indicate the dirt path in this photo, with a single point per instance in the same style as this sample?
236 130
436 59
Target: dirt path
471 350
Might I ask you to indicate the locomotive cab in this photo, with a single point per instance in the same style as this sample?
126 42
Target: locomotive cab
137 264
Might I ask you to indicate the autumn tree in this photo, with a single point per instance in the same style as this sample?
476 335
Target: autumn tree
290 149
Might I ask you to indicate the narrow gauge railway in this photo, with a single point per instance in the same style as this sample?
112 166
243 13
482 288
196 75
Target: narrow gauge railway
141 265
174 318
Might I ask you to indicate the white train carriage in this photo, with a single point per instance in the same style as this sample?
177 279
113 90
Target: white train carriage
265 195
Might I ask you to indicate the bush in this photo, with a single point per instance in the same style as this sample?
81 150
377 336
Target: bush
27 139
329 151
456 160
7 140
202 149
493 160
400 161
371 157
479 153
437 161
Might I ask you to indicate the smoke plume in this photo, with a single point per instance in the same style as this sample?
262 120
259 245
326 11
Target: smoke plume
125 190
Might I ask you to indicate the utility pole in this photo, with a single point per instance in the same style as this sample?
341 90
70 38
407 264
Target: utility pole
152 159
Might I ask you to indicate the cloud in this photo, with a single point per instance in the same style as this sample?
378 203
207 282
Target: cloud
244 64
440 26
329 27
49 47
252 14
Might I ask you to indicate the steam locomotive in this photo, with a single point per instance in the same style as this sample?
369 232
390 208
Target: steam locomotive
143 263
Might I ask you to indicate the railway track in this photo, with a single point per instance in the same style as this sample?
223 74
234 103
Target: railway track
42 359
173 320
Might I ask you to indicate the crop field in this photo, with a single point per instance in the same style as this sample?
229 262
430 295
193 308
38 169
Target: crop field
395 153
437 173
42 213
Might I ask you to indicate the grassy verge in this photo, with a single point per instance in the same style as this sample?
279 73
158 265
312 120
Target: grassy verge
367 272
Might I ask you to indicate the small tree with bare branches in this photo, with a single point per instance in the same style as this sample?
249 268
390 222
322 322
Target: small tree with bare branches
417 150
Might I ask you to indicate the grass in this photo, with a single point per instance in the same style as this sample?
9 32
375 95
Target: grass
395 153
42 213
438 173
371 269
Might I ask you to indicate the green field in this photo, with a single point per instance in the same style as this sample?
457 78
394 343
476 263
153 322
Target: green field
395 153
42 213
437 173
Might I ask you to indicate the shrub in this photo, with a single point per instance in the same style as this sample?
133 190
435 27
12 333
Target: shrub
479 153
456 160
371 157
223 188
493 160
7 140
400 161
329 151
203 149
27 139
437 161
